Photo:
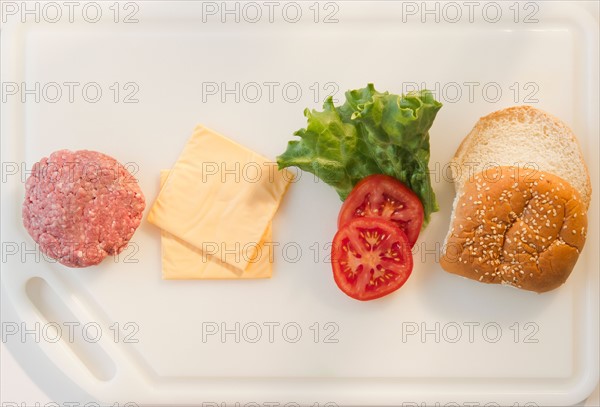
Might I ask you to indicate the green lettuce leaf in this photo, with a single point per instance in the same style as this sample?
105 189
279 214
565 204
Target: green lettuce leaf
371 133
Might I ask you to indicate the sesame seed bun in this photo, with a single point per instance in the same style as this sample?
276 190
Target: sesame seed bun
514 226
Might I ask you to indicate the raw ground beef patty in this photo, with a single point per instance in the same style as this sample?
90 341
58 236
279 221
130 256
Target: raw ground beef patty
81 206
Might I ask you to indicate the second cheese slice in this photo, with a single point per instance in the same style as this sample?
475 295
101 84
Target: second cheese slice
182 261
220 197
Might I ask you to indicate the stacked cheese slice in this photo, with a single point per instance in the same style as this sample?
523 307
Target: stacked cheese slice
215 208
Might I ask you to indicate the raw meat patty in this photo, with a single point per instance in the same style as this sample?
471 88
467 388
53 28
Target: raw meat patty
81 206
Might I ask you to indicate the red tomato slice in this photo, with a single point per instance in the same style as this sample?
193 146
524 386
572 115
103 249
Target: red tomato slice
371 257
383 196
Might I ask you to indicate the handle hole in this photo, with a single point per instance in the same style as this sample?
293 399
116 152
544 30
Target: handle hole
61 325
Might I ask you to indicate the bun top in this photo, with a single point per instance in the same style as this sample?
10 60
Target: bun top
516 226
526 137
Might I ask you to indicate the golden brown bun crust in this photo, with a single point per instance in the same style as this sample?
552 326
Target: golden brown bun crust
516 226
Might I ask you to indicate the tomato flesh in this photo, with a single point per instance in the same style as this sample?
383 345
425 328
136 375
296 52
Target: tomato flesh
371 257
383 196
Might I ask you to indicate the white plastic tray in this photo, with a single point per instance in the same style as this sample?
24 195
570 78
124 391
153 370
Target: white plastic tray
415 346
